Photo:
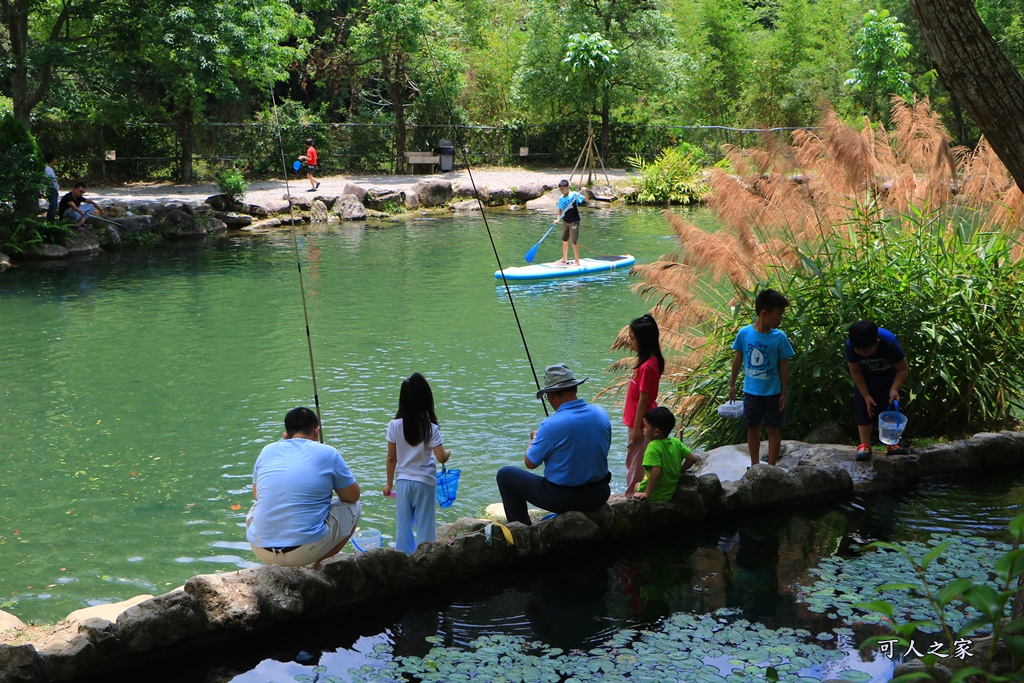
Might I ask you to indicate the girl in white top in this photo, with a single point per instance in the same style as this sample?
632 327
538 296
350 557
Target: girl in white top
414 441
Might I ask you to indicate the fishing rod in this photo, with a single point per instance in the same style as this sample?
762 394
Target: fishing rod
295 239
483 214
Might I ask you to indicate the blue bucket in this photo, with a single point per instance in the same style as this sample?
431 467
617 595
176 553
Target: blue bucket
296 165
447 486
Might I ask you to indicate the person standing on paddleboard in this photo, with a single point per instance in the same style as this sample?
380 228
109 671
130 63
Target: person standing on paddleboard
570 217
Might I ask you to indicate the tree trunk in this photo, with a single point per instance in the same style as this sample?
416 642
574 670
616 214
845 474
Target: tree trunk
15 15
398 104
606 126
978 74
185 120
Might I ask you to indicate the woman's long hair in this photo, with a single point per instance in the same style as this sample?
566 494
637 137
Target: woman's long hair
645 329
416 409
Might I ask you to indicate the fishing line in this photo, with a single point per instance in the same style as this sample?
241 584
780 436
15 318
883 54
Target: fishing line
483 214
291 221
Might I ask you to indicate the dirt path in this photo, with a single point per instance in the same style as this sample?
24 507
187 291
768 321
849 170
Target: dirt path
263 191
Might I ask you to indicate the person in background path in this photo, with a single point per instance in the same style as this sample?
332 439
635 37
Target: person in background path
879 368
310 160
572 444
75 207
414 441
665 459
53 192
294 522
570 217
641 394
763 351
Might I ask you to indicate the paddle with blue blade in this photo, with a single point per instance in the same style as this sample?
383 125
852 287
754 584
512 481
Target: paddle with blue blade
532 253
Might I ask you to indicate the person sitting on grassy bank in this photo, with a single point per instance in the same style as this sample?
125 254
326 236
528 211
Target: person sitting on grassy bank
74 206
665 459
879 368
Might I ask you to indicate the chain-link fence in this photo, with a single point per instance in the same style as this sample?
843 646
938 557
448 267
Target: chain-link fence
152 151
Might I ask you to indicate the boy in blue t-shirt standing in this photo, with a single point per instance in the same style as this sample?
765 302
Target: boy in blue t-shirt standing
763 351
879 368
570 217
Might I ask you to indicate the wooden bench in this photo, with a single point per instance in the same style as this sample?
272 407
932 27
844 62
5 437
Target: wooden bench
428 159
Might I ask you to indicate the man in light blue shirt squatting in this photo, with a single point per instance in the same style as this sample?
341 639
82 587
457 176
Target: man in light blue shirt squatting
570 217
294 521
572 444
763 350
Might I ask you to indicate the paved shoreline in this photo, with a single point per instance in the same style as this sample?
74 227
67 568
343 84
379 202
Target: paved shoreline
266 190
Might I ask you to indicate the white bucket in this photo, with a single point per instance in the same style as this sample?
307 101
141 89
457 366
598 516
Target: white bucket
731 410
365 539
890 426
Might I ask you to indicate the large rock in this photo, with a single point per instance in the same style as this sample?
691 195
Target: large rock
349 208
378 199
220 202
468 205
500 197
5 261
19 663
528 192
162 621
355 190
181 225
600 193
433 192
86 244
466 192
412 201
235 221
10 622
108 612
131 225
276 206
765 485
318 212
49 252
546 202
827 432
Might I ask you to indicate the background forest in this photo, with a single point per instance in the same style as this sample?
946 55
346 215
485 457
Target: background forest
167 83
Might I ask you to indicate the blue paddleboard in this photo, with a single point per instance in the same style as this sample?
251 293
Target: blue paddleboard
545 271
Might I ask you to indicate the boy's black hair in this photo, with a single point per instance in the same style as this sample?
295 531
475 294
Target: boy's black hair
662 419
863 333
50 157
769 300
300 421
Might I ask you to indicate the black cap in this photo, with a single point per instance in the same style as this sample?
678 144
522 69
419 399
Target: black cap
309 141
563 183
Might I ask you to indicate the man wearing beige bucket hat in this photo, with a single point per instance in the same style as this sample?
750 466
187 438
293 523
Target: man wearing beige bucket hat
572 444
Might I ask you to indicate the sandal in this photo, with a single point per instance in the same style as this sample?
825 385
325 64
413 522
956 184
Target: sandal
895 449
864 452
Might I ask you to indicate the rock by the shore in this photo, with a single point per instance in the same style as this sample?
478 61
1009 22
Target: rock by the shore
318 212
433 193
356 191
179 224
349 208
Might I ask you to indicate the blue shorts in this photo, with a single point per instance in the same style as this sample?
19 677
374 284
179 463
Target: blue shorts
766 408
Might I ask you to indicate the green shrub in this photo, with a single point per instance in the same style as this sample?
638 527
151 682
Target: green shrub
675 177
22 234
952 295
231 183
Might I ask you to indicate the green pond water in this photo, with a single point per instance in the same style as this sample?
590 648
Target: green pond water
138 388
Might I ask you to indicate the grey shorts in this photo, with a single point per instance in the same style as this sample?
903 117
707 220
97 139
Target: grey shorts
341 522
571 230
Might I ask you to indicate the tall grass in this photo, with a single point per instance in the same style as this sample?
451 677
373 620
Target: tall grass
896 226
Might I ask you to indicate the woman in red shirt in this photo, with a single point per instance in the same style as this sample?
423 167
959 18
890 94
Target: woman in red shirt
642 394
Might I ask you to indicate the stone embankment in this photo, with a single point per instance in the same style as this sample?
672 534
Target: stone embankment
134 221
218 608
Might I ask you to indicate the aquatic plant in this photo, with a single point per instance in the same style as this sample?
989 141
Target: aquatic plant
716 648
894 226
989 599
846 588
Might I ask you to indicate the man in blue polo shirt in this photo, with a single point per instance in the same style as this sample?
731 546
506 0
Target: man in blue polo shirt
572 444
294 521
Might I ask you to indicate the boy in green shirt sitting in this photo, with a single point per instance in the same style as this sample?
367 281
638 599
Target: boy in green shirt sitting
665 458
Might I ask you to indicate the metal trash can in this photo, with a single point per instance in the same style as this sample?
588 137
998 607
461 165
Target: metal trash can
446 151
